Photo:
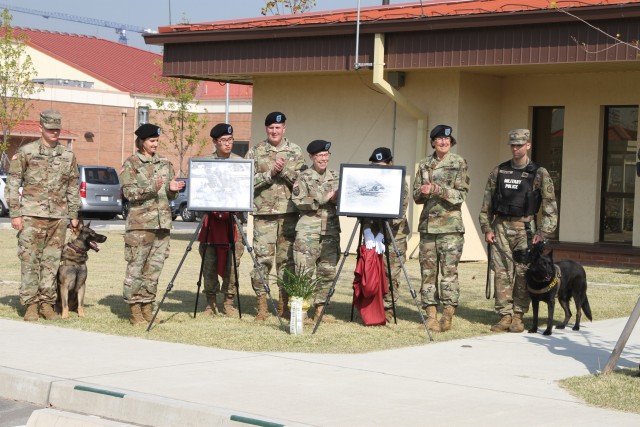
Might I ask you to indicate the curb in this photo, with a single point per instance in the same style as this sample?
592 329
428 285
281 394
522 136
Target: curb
53 417
118 406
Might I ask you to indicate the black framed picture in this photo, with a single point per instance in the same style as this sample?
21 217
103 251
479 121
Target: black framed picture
220 185
371 191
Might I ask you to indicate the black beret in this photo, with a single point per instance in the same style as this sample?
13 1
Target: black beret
381 154
221 129
148 130
440 131
317 146
275 117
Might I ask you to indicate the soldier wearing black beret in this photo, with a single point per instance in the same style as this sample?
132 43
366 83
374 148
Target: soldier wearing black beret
441 186
374 234
148 181
277 163
317 245
222 137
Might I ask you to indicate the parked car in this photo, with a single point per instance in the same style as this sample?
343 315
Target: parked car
179 205
4 207
99 191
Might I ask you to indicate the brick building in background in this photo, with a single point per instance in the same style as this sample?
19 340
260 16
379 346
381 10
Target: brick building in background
105 89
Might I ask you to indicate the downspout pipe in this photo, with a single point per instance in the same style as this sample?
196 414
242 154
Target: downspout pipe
420 116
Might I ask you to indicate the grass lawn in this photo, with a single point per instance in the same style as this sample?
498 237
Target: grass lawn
107 313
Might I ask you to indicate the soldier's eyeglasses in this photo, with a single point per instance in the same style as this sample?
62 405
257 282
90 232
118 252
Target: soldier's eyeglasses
225 140
323 155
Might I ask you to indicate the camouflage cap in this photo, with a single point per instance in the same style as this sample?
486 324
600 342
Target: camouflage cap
519 136
51 119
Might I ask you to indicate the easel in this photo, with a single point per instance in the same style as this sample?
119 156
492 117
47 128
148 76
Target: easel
230 259
188 249
397 252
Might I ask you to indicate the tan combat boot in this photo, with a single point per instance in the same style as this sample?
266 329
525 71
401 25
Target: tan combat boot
211 309
516 323
283 305
447 317
31 315
227 306
432 320
326 318
262 308
136 314
47 311
503 324
147 311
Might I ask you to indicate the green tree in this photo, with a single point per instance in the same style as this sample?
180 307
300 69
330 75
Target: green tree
281 7
176 106
16 85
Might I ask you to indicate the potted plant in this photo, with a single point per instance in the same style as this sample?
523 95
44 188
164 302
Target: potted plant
301 287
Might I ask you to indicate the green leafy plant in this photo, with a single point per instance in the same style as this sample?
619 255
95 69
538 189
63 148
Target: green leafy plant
299 283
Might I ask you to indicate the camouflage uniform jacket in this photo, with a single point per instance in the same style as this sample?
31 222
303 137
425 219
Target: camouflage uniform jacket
317 214
441 212
272 195
399 226
49 180
148 208
549 207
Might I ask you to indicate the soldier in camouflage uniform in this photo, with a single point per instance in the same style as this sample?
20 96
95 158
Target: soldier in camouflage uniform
148 182
514 193
373 228
222 137
441 185
277 162
48 173
317 244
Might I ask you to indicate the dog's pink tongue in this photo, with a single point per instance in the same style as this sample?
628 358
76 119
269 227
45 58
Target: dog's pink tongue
94 246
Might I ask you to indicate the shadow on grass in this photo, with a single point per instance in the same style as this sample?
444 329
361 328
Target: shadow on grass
13 301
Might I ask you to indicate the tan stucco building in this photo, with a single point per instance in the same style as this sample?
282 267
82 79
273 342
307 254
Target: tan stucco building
483 68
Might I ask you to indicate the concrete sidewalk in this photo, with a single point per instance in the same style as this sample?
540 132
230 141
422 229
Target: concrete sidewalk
497 380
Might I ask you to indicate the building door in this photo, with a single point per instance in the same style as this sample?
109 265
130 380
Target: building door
618 177
547 139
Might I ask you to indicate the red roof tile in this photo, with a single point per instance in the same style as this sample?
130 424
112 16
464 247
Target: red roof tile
31 128
126 68
393 12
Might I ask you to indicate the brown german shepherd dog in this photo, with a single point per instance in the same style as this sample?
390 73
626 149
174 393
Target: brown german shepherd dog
72 273
565 279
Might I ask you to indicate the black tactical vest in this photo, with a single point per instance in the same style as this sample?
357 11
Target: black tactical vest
514 194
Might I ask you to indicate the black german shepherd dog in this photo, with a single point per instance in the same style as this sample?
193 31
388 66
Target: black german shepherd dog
546 280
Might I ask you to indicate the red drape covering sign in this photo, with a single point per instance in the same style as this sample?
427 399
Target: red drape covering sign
370 286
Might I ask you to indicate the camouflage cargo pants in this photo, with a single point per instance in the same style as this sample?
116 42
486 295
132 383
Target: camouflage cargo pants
273 236
442 252
319 254
510 295
145 252
40 245
396 269
210 273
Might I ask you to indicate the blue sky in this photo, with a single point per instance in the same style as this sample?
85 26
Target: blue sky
141 13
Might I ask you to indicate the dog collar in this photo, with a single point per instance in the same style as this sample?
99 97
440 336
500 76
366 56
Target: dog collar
77 249
555 282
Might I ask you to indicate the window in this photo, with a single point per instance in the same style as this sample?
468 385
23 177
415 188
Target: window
547 143
143 115
240 148
618 177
